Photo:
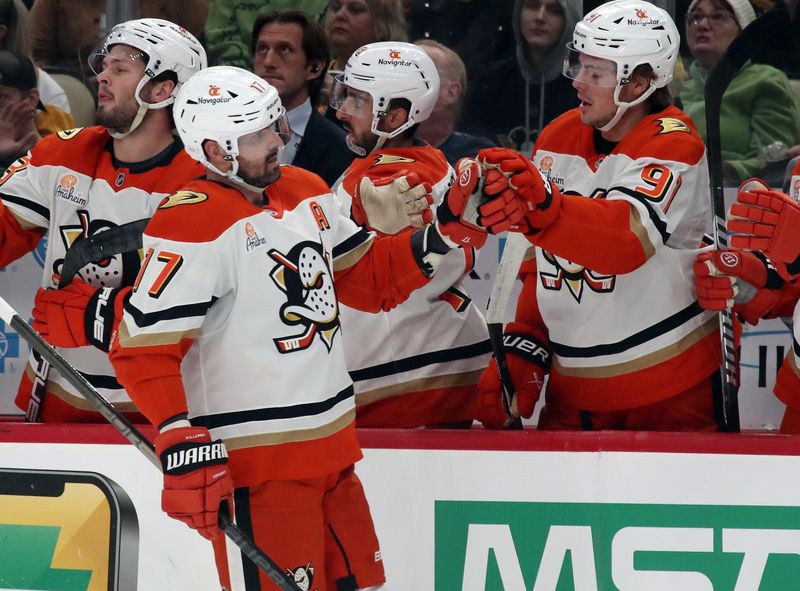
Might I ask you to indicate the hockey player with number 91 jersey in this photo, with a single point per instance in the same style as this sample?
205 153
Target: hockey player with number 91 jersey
615 203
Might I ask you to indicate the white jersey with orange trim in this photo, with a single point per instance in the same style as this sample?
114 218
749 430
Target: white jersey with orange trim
432 346
250 291
622 339
71 184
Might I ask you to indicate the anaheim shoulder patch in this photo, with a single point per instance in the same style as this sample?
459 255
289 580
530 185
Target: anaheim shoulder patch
384 159
671 124
182 198
68 134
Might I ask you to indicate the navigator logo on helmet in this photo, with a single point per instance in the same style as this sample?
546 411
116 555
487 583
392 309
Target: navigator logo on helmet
242 104
387 71
164 46
629 33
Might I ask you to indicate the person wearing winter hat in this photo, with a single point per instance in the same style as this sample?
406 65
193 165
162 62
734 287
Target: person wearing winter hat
759 109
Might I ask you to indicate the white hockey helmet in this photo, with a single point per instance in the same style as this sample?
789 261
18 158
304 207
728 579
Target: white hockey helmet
224 103
389 70
168 47
629 33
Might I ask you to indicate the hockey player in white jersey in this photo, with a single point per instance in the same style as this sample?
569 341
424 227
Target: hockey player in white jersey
614 205
81 184
419 363
232 333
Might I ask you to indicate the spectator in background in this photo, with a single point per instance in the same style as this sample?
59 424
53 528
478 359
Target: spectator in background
66 31
23 117
759 110
350 24
439 129
477 30
291 53
526 90
230 26
15 34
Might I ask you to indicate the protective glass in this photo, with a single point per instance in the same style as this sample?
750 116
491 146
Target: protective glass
276 135
588 69
350 101
102 57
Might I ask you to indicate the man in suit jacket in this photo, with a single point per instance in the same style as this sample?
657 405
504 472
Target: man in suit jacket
290 52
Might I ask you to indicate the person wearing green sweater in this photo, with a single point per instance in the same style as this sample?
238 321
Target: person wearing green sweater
758 108
230 25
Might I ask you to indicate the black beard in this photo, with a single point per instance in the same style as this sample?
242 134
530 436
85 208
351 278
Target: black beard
263 180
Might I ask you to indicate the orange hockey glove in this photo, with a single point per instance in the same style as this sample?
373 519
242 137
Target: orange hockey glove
78 315
768 221
196 478
736 279
457 214
538 202
394 203
528 358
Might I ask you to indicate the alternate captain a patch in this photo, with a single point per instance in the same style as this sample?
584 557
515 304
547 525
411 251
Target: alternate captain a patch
671 124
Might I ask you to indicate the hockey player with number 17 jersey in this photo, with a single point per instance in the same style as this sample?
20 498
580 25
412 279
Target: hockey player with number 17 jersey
231 340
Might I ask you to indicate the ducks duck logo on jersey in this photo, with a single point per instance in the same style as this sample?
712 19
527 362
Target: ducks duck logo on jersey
305 277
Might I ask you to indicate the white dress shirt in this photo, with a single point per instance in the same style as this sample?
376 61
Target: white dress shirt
298 119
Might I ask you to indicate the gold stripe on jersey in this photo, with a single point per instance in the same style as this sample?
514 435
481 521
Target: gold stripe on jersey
349 259
296 436
530 254
469 378
638 228
154 339
649 360
78 402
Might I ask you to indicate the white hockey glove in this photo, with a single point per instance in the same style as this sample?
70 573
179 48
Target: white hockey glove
391 204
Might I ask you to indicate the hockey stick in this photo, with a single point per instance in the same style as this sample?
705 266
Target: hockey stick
753 42
139 441
507 271
116 240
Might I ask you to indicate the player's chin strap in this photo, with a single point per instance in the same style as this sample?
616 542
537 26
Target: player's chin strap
235 178
143 108
623 107
382 137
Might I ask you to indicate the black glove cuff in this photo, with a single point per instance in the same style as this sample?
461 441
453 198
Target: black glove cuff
524 345
424 242
774 280
99 318
187 457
